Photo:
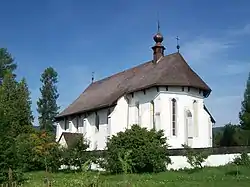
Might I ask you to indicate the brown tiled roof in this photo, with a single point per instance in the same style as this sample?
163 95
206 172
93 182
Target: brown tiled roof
70 138
171 70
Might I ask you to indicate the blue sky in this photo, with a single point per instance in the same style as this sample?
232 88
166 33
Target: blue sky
77 37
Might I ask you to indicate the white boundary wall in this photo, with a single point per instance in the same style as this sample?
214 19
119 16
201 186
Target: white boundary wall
180 162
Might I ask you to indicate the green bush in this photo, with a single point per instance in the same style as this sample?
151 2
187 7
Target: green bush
38 151
243 159
76 154
136 150
195 159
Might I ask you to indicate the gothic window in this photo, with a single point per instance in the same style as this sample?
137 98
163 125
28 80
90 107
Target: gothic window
174 117
138 112
195 108
152 111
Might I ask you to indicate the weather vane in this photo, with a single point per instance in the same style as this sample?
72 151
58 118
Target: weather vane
178 46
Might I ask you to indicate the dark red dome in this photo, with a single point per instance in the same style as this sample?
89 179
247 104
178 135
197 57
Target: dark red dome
158 38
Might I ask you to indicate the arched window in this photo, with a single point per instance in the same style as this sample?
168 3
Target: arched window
196 124
152 111
174 117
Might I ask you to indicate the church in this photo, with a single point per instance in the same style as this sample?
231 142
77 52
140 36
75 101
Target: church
163 93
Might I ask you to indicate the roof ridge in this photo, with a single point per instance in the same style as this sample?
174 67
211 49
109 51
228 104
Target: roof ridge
129 69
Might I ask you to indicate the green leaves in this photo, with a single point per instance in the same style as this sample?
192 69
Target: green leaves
76 154
7 64
15 113
46 105
244 115
137 150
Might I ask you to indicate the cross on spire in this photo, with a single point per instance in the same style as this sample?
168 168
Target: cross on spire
158 22
177 46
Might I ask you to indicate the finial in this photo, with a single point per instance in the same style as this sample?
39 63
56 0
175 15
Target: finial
158 38
178 46
92 79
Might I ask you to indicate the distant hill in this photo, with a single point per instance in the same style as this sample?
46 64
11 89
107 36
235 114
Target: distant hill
218 129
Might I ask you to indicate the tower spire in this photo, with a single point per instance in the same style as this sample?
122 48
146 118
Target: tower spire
158 48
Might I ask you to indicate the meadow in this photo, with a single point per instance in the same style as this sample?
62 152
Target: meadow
230 176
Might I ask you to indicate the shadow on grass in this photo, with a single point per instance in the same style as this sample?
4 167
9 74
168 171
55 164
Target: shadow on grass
190 170
233 173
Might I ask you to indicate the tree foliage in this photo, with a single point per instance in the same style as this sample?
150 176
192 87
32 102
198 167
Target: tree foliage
16 118
231 135
16 106
38 151
76 154
47 103
244 114
195 159
6 63
147 151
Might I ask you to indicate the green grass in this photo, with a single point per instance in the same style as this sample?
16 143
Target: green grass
208 177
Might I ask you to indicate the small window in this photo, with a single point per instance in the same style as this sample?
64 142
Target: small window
188 89
97 122
183 88
174 117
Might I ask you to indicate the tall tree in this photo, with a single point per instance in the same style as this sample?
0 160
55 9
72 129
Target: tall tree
26 118
6 63
47 103
16 105
244 114
15 119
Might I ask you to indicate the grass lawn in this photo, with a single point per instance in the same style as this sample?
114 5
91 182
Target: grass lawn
208 177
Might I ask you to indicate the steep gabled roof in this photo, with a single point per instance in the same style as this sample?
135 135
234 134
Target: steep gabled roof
70 138
171 70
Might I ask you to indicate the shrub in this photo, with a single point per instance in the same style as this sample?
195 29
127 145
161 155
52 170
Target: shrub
38 151
76 154
195 159
243 159
136 150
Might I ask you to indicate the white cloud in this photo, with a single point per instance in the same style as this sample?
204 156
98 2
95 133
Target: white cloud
236 68
240 31
212 58
202 50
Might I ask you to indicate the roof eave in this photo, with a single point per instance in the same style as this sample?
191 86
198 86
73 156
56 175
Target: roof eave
59 117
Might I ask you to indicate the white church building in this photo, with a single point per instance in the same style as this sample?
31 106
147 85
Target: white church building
163 93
